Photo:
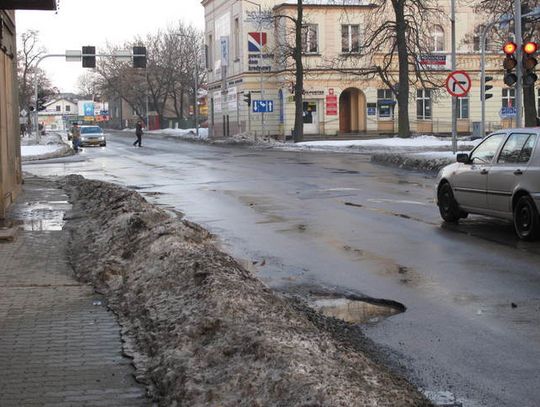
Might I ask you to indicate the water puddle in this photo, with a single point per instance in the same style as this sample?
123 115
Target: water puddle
357 311
41 216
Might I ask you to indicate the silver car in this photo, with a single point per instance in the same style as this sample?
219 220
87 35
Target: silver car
499 178
92 135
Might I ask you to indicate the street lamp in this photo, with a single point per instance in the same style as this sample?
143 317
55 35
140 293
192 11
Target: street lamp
260 58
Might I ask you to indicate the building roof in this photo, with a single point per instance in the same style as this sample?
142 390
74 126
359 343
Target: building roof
28 4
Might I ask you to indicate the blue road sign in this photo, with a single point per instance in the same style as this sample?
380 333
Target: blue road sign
507 112
263 106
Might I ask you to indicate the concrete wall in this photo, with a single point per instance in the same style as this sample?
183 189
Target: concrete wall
10 149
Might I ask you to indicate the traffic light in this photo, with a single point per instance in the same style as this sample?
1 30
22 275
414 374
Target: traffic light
529 63
509 64
139 57
247 98
487 87
89 61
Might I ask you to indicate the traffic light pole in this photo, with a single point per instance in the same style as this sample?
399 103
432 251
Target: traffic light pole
483 76
519 67
36 124
454 99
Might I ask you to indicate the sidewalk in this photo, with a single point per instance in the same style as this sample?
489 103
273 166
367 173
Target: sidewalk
59 345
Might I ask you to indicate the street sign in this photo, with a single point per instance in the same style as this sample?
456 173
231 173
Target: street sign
24 113
73 55
263 106
508 112
458 83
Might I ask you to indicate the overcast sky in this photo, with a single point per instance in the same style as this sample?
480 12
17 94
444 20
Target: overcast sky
78 23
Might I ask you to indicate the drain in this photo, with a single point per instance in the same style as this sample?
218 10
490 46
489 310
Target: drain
357 310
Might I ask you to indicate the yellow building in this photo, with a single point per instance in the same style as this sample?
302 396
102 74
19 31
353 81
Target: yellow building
244 57
10 146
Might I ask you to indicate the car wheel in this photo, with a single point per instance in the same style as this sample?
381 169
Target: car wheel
448 207
526 219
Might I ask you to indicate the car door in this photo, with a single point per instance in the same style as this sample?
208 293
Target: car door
508 170
470 180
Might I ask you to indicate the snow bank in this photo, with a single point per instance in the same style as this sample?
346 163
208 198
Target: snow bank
49 146
205 331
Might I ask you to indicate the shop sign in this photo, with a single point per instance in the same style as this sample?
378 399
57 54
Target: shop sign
331 105
432 61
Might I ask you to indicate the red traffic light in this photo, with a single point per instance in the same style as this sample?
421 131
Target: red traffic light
530 47
509 48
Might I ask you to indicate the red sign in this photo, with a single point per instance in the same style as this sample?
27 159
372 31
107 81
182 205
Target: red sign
331 105
458 83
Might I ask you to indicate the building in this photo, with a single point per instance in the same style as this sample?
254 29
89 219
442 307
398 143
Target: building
244 59
10 147
58 113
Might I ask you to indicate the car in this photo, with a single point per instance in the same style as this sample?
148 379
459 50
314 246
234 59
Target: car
499 178
92 135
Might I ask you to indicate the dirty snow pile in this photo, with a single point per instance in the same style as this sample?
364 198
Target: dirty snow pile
202 329
48 146
249 139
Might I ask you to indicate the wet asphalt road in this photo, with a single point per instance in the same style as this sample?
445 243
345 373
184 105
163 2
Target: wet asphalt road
472 291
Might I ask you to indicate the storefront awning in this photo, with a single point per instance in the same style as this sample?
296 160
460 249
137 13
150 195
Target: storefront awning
28 4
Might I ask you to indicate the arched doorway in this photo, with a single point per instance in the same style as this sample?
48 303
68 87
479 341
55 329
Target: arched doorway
352 111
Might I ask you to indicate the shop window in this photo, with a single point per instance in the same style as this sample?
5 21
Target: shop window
463 107
423 104
385 104
508 97
310 41
350 38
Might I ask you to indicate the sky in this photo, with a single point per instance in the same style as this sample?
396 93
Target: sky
77 23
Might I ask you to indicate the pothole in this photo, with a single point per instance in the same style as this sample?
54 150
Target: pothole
356 310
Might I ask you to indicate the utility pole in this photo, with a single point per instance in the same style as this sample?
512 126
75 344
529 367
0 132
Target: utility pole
519 57
454 99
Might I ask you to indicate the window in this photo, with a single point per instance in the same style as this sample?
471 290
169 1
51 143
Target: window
463 107
486 150
517 149
423 104
310 43
209 56
508 97
385 104
68 108
236 39
58 108
350 38
437 38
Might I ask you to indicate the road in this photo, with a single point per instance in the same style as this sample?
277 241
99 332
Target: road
336 221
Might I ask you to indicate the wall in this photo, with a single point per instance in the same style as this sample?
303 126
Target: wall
10 151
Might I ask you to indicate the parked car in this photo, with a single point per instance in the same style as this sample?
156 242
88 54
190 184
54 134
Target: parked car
499 178
92 136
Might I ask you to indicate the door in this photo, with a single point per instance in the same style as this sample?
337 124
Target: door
506 174
470 180
311 117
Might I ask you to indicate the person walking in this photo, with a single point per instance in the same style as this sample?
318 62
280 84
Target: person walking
138 133
76 137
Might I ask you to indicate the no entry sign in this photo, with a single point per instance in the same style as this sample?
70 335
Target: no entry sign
458 83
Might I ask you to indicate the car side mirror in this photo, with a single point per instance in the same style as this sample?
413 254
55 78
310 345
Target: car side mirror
463 158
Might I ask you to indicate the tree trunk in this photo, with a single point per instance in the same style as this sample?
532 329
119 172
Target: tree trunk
299 77
403 61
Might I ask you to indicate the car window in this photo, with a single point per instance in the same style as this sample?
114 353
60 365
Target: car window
90 130
517 149
486 150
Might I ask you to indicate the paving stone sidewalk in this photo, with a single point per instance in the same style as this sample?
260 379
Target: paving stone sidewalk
59 345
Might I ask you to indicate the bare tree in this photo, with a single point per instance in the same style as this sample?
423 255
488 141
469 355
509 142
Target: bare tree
27 56
88 84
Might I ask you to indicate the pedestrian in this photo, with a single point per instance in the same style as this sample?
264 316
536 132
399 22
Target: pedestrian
138 133
76 137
